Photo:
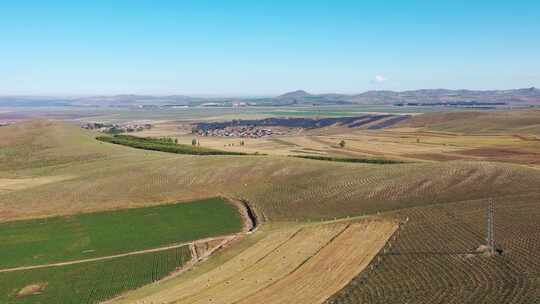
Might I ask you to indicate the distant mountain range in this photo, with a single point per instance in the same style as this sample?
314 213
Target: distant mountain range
527 96
416 97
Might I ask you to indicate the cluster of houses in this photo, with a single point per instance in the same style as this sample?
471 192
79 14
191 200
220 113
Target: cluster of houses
237 131
116 128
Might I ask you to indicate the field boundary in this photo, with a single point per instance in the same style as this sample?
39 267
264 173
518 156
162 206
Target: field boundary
377 259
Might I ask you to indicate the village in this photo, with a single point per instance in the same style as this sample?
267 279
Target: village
237 131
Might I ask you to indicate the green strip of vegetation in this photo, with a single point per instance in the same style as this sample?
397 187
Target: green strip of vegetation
163 145
92 282
57 239
379 161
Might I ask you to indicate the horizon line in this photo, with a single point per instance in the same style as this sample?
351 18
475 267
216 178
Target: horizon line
241 95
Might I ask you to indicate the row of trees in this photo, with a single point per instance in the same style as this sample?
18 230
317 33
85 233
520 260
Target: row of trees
164 144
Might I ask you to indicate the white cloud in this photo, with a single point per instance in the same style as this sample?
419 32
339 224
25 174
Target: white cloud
380 78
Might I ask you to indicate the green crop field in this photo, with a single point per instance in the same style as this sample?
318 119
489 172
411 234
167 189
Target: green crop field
49 240
91 282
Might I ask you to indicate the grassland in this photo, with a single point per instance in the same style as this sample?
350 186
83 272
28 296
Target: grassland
42 144
89 282
82 236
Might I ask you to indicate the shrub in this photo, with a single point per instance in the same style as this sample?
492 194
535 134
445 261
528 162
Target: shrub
351 160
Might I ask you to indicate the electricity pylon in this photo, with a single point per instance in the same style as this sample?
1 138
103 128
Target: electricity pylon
490 239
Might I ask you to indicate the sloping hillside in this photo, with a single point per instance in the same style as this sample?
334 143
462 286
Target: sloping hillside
41 143
280 188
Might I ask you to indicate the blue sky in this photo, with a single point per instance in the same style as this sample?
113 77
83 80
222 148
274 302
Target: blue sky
264 47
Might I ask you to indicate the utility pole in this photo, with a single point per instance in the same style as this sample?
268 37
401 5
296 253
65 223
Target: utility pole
490 239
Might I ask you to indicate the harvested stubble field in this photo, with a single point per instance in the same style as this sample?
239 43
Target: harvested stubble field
434 259
298 264
91 282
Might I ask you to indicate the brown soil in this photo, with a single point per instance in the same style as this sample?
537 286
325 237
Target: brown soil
299 264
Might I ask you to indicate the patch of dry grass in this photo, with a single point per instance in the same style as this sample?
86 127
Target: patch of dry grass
31 290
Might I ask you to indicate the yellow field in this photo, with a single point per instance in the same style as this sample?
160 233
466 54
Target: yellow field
301 264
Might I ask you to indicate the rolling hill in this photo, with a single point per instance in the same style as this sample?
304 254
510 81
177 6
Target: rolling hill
298 188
